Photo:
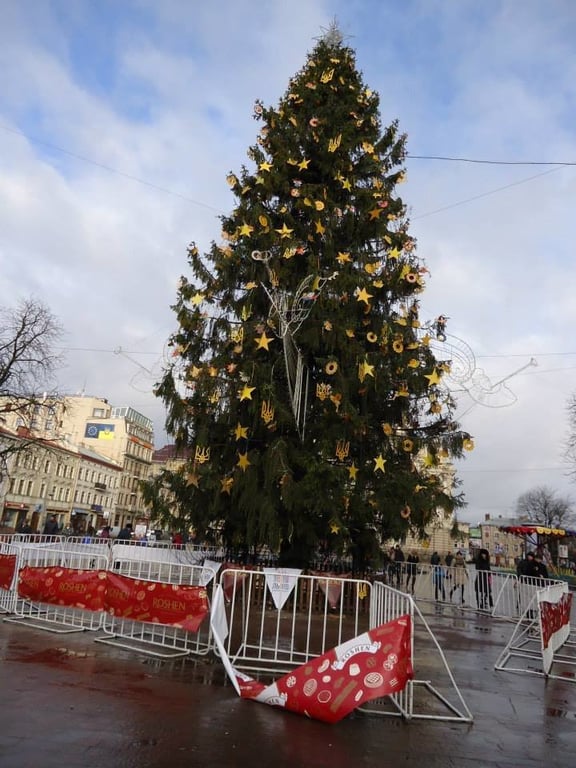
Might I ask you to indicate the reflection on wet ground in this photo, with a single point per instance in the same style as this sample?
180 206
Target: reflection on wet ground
69 702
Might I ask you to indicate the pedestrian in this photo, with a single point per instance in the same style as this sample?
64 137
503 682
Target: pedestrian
51 527
459 576
483 581
527 567
412 562
527 572
105 532
177 540
125 534
438 576
25 527
398 565
541 569
449 559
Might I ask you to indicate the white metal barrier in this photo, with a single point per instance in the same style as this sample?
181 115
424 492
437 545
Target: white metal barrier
543 644
123 552
157 639
514 594
318 613
57 618
9 555
499 593
433 693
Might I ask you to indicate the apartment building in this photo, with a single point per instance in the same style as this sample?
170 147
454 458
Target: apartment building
104 452
76 486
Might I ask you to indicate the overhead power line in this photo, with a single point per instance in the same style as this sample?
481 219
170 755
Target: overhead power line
478 161
110 169
445 158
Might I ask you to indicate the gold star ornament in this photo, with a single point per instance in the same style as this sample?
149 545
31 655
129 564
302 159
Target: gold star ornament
246 393
263 342
243 461
226 485
364 296
379 463
284 231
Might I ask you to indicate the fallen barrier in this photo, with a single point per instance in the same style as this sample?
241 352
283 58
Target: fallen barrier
280 621
542 642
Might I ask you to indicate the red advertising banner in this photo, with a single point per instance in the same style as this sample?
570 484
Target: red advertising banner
7 568
375 664
176 605
554 617
63 586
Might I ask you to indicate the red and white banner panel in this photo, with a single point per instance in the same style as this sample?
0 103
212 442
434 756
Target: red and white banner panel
555 603
7 568
63 586
181 606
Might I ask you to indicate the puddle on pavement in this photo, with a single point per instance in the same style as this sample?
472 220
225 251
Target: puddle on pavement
50 656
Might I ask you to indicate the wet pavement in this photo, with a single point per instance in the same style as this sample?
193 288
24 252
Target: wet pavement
69 702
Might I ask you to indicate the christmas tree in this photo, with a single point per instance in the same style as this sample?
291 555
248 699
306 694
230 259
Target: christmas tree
303 384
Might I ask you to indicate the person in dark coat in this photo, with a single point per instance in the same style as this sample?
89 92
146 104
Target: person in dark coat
398 565
483 581
125 533
527 566
411 570
541 569
438 575
51 527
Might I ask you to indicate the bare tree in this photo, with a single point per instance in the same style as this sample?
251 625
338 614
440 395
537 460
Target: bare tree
542 505
570 447
28 361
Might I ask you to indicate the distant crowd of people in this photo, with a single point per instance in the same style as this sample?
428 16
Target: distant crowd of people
53 528
450 573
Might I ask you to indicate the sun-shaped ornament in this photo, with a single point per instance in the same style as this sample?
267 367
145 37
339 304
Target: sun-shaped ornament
331 367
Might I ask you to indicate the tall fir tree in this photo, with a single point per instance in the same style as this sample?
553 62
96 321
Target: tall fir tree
303 384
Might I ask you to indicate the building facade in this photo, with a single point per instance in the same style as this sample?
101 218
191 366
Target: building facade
97 456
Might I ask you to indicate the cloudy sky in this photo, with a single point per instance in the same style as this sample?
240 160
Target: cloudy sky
119 120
